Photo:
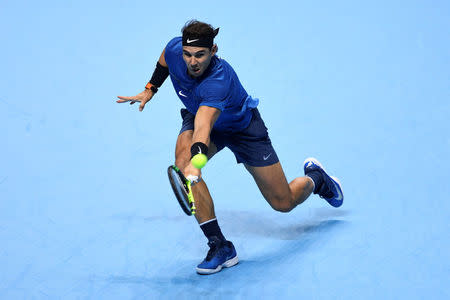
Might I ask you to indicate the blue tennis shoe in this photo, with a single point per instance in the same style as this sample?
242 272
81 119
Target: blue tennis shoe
220 254
331 189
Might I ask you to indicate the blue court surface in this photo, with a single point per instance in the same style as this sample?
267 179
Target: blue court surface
86 209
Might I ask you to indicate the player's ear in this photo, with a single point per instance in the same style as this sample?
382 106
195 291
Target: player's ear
214 49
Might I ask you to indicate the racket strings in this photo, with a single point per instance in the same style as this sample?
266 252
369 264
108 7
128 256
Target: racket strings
183 190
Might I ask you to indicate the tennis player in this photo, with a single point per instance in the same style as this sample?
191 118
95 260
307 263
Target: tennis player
219 113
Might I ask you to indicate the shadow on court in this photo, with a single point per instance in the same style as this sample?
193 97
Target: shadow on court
269 253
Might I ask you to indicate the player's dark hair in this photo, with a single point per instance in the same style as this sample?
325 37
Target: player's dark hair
199 29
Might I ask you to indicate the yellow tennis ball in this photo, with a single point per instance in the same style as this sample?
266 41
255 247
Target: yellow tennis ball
199 160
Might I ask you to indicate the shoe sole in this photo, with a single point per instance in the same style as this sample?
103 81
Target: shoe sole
337 202
229 263
337 184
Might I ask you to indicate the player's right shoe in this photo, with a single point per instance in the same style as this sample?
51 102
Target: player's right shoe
331 189
221 254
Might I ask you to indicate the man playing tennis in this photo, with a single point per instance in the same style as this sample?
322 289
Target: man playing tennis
219 113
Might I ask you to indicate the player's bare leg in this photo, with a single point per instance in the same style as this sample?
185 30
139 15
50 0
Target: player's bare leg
222 252
203 199
279 194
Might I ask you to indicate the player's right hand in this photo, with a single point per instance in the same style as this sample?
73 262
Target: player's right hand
142 97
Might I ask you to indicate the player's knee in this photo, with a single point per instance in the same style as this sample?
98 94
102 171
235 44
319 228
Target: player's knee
282 204
282 208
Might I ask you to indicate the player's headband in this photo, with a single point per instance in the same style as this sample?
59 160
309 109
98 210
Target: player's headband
199 41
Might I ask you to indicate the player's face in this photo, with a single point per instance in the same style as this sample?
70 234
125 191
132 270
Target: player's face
197 59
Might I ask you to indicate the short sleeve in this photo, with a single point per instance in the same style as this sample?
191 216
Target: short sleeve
172 51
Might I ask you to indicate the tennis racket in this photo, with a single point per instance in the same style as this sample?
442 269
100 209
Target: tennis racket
182 188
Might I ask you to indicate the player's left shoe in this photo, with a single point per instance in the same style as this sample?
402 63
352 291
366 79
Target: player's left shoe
331 189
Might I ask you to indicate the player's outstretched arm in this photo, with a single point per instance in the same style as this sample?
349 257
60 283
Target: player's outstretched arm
205 118
159 75
204 121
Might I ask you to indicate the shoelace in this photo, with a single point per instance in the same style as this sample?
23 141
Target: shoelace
214 248
325 191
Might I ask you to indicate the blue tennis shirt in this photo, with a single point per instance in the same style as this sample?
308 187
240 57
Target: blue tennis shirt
218 87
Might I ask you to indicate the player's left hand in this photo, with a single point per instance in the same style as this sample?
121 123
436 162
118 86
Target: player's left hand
142 97
191 172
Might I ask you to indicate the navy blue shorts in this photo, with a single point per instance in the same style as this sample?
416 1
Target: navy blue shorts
251 146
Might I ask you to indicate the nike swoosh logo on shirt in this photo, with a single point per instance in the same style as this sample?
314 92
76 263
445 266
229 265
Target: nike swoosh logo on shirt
181 94
191 41
267 157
